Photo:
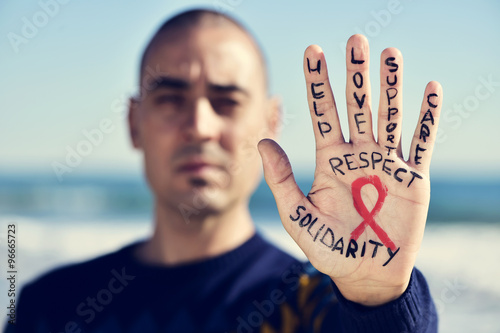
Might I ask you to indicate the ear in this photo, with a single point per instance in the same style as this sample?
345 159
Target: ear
133 122
274 117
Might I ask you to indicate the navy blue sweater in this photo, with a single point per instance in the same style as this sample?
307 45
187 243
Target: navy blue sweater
254 288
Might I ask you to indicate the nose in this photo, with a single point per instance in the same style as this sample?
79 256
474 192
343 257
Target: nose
202 123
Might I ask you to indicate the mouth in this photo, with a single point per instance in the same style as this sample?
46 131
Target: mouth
197 166
194 167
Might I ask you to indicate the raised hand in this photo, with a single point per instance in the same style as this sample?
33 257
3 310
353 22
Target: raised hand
363 221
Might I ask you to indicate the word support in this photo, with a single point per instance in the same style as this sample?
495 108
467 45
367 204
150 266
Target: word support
391 92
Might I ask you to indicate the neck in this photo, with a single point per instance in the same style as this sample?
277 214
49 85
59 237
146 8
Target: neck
176 240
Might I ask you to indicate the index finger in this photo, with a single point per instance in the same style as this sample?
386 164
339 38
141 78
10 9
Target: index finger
320 98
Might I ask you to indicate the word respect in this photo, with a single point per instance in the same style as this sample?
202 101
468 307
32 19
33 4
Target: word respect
340 165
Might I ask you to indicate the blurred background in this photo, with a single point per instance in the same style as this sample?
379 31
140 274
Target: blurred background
67 66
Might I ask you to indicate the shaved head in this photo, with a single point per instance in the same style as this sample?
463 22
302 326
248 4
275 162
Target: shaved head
202 107
180 25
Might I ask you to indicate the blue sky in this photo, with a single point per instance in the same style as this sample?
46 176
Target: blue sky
77 67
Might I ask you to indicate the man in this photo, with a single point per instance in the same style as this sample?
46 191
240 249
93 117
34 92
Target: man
203 105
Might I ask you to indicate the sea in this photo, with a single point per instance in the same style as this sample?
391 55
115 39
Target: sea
57 223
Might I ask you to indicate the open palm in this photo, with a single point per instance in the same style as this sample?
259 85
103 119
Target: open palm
363 220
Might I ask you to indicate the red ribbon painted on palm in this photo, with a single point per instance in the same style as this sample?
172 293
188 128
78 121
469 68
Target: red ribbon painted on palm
369 216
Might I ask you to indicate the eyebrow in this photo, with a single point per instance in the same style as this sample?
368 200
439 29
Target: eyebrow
228 88
170 83
179 84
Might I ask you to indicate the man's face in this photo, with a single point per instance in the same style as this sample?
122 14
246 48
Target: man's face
202 110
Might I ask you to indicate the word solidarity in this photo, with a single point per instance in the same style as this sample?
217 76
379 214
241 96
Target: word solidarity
326 236
348 162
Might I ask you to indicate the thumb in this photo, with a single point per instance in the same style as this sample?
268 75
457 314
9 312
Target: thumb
279 176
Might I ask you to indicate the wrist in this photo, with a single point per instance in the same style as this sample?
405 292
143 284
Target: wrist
370 293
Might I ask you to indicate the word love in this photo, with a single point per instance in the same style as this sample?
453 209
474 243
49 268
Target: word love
369 217
357 79
375 161
319 232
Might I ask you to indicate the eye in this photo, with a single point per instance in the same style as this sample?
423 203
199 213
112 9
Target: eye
175 100
224 105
